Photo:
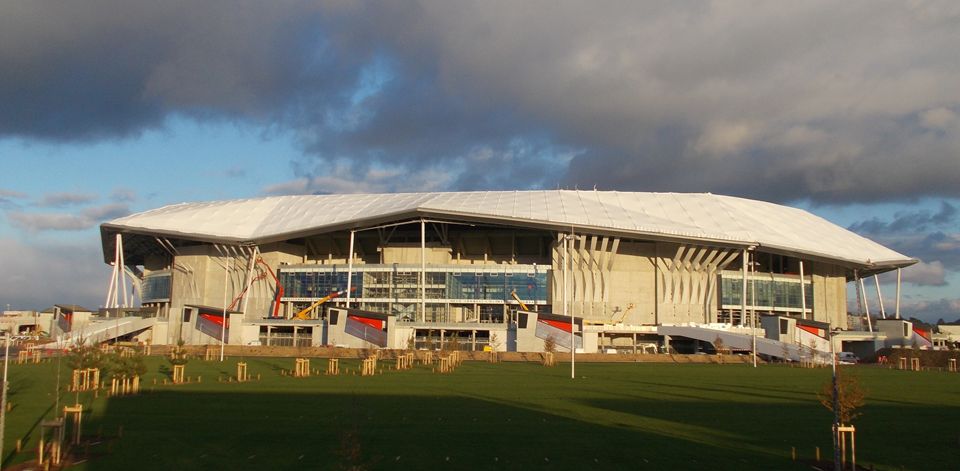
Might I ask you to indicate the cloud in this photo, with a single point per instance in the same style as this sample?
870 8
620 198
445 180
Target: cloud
105 212
937 245
9 198
344 179
235 172
925 274
77 271
123 195
932 310
59 200
938 118
810 100
726 138
909 221
86 219
11 194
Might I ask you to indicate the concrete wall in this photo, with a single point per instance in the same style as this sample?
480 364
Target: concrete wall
829 294
410 254
610 279
605 277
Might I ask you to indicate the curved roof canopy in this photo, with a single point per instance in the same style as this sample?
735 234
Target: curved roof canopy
693 217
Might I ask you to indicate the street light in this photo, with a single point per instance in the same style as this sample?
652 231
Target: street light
836 405
3 398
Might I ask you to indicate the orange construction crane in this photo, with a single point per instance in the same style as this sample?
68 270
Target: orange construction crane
279 293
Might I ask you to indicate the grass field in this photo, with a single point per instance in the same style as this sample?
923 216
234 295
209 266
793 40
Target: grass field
497 416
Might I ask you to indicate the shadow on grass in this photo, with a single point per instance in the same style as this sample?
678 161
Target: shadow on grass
201 430
779 426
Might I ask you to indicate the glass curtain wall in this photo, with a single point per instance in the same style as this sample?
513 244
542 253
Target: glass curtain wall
382 286
776 293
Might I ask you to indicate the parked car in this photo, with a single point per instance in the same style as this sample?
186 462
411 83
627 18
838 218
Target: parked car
847 358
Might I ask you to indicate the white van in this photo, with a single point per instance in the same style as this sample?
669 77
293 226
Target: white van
847 358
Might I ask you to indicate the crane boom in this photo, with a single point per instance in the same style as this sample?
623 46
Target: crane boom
302 315
623 314
277 296
522 305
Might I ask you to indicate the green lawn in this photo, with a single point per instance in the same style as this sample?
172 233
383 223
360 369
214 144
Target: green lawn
497 416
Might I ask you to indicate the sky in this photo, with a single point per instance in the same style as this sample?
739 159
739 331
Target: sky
850 110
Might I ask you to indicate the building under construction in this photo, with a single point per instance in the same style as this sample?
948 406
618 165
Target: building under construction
501 270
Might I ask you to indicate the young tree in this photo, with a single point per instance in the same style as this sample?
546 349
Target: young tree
127 364
82 356
850 397
550 344
718 345
453 343
178 356
494 343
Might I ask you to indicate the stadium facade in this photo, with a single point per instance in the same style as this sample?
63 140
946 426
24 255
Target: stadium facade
496 269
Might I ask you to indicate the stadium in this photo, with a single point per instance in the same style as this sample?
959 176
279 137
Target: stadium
495 270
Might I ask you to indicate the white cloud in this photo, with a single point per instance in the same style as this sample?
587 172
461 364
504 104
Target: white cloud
938 118
346 178
35 222
292 187
59 200
36 277
925 274
85 219
11 194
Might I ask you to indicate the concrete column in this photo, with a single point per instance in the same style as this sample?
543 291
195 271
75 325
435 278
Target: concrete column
743 292
423 269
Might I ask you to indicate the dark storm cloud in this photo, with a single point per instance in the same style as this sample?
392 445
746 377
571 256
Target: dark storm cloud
827 101
928 235
910 221
108 68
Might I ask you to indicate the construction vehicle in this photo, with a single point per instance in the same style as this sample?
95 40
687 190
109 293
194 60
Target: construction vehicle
305 313
275 312
522 305
618 317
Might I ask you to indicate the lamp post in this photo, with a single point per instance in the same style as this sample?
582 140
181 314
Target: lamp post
573 337
836 406
753 305
223 326
3 398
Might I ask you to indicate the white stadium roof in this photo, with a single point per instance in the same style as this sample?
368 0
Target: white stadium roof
693 217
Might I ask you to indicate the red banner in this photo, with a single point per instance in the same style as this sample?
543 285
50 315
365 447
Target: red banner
375 323
564 326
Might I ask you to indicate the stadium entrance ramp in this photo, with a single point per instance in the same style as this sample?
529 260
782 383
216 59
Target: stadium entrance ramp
744 341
